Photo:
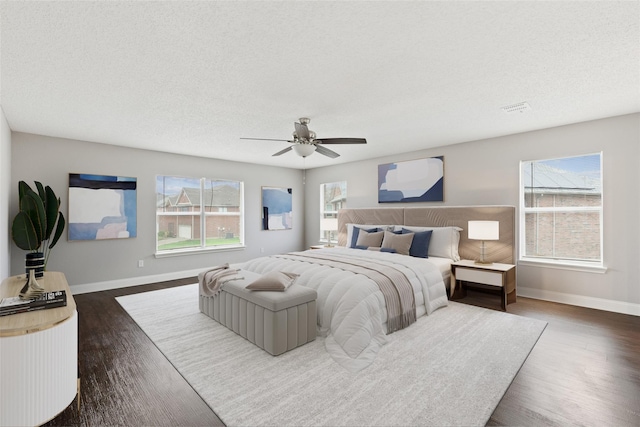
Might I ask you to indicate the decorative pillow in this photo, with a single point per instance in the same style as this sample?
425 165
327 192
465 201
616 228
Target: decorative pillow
420 243
370 239
273 281
356 233
354 229
444 240
400 242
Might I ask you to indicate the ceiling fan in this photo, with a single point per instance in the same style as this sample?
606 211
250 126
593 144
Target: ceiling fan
305 142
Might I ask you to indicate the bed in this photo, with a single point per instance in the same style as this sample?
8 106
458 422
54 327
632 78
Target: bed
354 311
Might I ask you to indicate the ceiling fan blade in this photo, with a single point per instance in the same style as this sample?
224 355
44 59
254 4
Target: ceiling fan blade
282 151
342 141
268 139
324 150
302 131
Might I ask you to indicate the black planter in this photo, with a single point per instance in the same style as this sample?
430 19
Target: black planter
35 261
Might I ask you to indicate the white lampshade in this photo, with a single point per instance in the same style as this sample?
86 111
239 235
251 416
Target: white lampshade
304 150
484 230
329 224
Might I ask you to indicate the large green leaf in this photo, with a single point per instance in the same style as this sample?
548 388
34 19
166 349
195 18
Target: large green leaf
23 232
32 205
59 229
22 188
51 205
40 190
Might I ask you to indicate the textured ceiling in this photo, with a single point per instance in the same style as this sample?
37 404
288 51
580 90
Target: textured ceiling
194 77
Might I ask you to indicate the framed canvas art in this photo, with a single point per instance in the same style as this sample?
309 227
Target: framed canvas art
102 207
419 180
277 208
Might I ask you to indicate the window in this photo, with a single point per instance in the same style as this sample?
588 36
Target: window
561 210
333 196
195 214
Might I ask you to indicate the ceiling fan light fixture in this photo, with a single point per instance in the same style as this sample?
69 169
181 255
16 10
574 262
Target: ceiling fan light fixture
304 150
304 142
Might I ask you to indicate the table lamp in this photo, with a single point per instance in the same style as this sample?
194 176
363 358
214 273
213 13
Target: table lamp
484 230
329 225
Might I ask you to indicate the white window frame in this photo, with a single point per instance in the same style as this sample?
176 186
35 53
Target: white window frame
203 223
596 266
324 212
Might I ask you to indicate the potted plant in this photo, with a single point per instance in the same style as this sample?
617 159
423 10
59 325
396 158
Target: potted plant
38 225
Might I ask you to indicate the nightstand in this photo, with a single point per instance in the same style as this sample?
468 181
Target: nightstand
496 276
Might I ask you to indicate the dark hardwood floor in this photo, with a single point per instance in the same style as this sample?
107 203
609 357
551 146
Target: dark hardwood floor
125 380
584 370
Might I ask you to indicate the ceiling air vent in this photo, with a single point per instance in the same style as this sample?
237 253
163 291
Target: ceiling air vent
520 107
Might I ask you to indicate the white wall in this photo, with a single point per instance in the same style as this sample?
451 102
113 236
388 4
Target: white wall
92 265
487 173
5 183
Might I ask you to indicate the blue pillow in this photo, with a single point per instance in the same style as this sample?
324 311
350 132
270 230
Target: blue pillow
356 232
420 243
390 250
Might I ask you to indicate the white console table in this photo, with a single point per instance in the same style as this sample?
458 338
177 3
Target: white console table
38 357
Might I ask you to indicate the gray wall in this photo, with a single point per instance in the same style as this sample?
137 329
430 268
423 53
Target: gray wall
478 173
487 173
50 160
5 182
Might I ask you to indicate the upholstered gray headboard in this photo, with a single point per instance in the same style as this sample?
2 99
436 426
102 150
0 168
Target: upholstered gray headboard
502 250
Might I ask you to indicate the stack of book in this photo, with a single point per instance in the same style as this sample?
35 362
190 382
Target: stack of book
15 305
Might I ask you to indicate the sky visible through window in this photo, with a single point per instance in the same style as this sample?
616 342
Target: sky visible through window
582 165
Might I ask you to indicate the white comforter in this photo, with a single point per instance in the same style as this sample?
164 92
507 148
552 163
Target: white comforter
351 308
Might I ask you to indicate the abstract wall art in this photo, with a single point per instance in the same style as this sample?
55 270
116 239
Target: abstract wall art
419 180
102 207
277 208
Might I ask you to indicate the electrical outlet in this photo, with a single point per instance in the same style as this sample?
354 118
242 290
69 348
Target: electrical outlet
140 263
261 250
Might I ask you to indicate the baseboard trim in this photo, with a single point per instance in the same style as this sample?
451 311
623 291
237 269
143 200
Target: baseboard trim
581 301
131 281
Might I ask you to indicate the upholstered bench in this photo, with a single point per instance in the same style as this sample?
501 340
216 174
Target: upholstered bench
274 321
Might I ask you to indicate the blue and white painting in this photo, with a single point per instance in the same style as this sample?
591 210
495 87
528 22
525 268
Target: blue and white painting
419 180
277 210
102 207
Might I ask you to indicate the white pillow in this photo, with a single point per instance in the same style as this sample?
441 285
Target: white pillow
366 227
444 240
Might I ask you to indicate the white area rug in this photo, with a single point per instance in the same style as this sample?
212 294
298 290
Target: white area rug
450 368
